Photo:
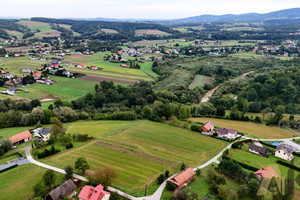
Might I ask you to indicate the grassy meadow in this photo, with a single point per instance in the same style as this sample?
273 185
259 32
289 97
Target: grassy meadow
138 150
7 132
250 128
18 183
199 80
65 89
45 29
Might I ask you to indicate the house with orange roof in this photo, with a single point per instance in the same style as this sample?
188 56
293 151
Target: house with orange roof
93 193
183 178
20 138
207 127
37 75
267 172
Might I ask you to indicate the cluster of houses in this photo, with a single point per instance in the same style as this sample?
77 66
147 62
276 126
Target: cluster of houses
67 190
223 133
283 150
81 66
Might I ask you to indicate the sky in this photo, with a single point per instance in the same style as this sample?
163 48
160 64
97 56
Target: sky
137 9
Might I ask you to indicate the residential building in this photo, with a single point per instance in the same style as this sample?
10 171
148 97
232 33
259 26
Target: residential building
27 70
20 138
227 133
67 189
258 150
284 151
93 193
11 91
43 134
207 128
267 172
183 178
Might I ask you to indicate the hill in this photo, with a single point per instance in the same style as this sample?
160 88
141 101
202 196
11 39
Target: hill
293 13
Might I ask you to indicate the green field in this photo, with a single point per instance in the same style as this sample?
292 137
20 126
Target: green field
16 65
45 29
7 132
199 80
243 28
18 183
65 89
250 128
138 150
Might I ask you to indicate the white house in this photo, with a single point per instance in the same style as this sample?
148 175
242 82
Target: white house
227 133
11 91
27 70
284 151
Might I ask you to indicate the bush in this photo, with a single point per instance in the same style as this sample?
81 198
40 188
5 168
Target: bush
46 152
69 146
160 179
195 127
170 186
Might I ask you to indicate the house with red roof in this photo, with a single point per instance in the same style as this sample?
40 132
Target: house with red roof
183 178
124 66
267 172
207 128
37 75
94 67
93 193
20 138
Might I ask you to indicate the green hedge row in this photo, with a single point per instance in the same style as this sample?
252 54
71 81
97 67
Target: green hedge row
249 167
288 165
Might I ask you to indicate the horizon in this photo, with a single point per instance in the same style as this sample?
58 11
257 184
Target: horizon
147 10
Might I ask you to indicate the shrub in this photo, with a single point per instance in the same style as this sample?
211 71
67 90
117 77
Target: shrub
160 179
46 152
170 186
69 146
195 127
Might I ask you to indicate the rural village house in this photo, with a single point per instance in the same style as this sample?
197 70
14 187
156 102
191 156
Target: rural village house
207 128
11 91
258 150
227 133
183 178
267 172
66 189
20 138
93 193
43 134
284 151
27 70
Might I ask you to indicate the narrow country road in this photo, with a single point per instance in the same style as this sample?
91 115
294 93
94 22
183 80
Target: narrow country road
157 194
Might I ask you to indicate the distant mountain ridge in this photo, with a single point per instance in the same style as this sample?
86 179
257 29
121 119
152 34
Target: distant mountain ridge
293 13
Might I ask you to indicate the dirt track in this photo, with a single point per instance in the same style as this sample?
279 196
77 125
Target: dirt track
99 78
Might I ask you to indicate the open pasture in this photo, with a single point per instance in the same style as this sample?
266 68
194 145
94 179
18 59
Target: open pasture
199 80
140 32
253 129
138 150
14 33
45 29
109 31
16 65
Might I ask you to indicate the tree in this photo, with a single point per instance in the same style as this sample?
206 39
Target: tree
252 95
267 196
36 142
82 164
265 111
103 176
245 107
160 179
223 191
57 125
37 113
232 195
242 191
69 172
35 103
182 166
184 112
167 173
198 172
170 186
279 111
49 178
39 189
65 139
146 111
253 186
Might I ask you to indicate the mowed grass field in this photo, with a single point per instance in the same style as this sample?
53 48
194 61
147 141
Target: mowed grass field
7 132
250 128
14 33
65 89
150 32
16 65
199 80
138 150
18 183
45 29
108 68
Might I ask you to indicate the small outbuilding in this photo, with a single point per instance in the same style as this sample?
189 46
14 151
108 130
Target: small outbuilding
66 189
